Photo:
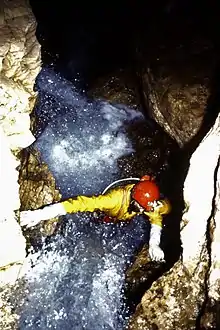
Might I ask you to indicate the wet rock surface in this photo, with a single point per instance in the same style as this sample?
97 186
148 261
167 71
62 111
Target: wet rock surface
20 64
10 233
177 67
178 106
173 301
140 276
37 188
177 85
120 87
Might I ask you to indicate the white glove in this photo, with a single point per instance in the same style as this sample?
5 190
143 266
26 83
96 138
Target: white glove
156 253
32 218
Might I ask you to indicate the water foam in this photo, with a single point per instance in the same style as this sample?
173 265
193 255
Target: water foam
82 146
76 281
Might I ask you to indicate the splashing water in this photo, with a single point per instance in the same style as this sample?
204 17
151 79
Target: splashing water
82 146
76 280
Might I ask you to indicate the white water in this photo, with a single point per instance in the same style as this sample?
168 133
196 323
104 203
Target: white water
83 143
77 280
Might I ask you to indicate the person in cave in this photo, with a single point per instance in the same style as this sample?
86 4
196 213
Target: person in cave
118 204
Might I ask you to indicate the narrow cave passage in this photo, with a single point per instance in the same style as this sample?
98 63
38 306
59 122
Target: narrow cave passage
83 50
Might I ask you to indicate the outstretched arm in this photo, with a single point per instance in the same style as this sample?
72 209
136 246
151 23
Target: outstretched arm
72 205
33 217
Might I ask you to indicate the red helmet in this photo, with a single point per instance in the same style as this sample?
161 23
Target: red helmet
146 191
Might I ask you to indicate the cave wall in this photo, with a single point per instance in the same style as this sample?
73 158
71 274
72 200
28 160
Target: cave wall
20 62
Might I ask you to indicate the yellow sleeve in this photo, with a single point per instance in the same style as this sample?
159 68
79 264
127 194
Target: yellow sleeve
155 217
165 207
88 204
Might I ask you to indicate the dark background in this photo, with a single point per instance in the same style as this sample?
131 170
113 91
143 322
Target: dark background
88 40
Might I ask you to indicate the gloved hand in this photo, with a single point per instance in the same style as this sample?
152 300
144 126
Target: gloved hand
32 218
156 253
163 206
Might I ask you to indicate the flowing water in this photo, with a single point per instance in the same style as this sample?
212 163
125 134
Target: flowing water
76 280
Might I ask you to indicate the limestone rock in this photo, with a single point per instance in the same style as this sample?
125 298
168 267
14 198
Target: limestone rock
12 241
19 66
140 275
20 51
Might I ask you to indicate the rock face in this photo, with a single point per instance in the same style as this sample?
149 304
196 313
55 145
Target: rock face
176 105
12 241
187 295
37 188
118 87
19 66
176 85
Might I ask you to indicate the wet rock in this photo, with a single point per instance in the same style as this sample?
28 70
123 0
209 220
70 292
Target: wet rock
178 299
176 88
210 316
173 301
118 88
140 276
8 319
37 187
